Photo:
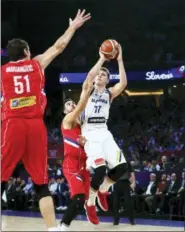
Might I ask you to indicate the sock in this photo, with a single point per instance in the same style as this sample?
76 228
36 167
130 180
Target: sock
53 229
92 197
107 183
63 227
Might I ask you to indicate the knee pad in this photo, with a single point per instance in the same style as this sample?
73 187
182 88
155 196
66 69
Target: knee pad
42 191
116 173
78 201
98 177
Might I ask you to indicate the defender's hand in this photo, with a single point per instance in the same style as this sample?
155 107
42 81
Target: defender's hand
80 19
82 140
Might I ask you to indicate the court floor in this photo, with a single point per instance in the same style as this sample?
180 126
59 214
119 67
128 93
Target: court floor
12 221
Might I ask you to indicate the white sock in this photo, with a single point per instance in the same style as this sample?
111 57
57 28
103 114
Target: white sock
92 197
63 227
107 183
53 229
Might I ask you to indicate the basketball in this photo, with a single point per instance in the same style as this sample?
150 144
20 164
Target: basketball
110 48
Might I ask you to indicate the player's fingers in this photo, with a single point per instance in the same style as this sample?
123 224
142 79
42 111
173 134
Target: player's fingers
83 12
78 13
70 20
87 18
87 15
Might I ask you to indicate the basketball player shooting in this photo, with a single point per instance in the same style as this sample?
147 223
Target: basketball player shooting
24 135
74 164
100 146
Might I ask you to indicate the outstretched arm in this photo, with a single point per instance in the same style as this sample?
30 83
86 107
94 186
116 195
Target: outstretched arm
119 87
72 117
95 70
58 47
86 90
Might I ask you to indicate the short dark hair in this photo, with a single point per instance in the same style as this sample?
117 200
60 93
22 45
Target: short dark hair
67 99
106 70
16 49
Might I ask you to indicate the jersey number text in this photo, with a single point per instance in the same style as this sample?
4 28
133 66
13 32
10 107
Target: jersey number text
97 109
21 84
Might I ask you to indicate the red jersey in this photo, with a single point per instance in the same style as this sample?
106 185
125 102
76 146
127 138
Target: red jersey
71 146
23 90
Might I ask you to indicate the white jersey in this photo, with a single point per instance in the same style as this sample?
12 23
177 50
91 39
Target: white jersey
96 113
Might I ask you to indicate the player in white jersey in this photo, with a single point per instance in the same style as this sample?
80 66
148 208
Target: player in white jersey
101 148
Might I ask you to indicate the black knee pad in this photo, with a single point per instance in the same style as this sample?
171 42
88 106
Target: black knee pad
98 177
116 173
42 191
78 201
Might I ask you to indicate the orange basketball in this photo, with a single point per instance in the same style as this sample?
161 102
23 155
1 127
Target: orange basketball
110 48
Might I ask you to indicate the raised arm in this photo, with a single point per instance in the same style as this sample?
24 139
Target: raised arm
58 47
72 117
86 90
119 87
94 70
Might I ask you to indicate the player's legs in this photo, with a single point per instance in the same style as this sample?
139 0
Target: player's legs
117 165
35 161
96 160
12 147
77 187
87 182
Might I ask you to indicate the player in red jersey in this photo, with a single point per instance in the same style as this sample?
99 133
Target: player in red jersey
74 164
24 135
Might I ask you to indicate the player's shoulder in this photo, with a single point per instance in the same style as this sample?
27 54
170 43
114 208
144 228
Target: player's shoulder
4 66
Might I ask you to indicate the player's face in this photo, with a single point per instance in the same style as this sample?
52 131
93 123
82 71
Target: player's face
69 106
101 79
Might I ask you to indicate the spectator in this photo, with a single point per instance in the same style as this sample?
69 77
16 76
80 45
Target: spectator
155 166
148 194
161 188
164 163
53 186
177 203
62 194
28 187
171 191
27 190
11 193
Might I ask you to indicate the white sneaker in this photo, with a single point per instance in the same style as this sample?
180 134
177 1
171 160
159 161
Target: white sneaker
64 208
63 228
59 208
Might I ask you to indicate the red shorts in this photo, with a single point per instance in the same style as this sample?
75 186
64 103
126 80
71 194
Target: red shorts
26 140
78 179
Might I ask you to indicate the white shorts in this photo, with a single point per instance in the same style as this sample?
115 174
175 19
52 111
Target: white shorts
101 148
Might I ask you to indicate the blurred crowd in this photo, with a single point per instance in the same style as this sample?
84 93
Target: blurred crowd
161 195
151 136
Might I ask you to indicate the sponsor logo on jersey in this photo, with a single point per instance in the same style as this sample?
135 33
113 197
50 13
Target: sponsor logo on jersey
22 102
99 100
97 120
